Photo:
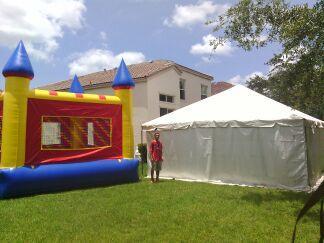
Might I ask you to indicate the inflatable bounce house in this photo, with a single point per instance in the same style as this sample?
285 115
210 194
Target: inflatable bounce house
53 141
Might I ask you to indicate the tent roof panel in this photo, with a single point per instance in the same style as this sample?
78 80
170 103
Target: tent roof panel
237 106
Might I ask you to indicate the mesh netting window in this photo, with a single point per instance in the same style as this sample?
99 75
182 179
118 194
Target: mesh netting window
75 133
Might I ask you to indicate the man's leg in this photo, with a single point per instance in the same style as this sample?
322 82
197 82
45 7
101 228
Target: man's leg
157 175
158 168
152 172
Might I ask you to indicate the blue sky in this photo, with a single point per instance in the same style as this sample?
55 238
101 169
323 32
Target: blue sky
64 37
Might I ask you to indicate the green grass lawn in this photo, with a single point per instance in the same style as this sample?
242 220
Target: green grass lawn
170 211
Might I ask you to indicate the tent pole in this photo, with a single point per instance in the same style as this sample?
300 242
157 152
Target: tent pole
142 162
306 154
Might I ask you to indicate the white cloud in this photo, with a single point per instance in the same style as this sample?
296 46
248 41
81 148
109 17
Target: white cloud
261 38
291 57
146 1
103 35
188 15
205 48
235 80
207 59
97 59
238 79
39 23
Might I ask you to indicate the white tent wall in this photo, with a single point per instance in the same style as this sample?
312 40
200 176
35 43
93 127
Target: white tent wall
242 137
264 156
315 153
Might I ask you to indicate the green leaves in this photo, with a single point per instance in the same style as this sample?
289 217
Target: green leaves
297 75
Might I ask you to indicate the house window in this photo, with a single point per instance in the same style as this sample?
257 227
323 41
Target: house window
166 98
164 111
182 89
204 89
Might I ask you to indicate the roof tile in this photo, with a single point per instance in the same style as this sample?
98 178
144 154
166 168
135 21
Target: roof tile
138 71
220 86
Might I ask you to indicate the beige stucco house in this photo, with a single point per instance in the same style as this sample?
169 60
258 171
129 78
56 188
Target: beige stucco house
162 86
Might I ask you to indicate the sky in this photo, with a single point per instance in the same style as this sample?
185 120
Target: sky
67 37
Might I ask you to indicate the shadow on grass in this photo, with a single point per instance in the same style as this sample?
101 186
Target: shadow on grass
259 198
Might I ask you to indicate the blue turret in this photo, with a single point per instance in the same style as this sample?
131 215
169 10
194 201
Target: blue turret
76 87
123 79
18 64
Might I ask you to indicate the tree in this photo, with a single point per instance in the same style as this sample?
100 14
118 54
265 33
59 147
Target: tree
297 74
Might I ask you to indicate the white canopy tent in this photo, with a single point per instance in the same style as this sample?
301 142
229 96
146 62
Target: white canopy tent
241 137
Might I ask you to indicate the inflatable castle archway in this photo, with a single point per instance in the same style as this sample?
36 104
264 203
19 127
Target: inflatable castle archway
52 141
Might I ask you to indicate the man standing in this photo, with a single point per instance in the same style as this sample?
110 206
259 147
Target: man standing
156 156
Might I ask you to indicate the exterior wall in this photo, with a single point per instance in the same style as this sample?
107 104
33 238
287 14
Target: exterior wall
140 110
193 88
140 106
146 95
167 83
